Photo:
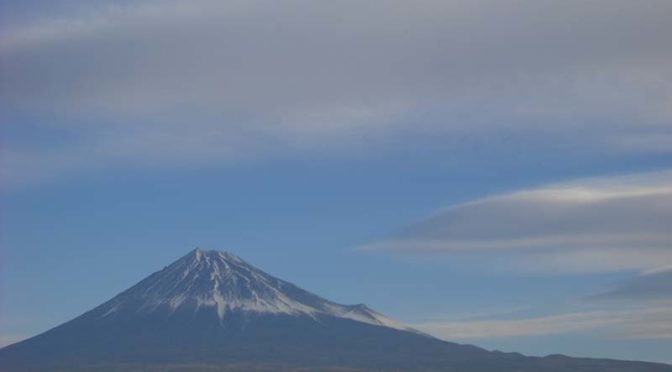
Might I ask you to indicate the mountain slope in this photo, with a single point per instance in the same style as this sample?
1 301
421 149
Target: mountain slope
220 282
211 309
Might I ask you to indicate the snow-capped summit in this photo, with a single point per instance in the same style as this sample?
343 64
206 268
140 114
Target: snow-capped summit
221 282
211 310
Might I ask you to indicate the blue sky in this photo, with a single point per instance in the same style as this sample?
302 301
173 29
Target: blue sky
495 173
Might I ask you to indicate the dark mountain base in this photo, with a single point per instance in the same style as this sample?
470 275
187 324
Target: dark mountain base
271 342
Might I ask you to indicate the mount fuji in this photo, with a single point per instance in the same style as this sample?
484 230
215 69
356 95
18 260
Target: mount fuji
212 311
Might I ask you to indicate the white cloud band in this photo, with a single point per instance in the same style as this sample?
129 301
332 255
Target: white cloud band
607 224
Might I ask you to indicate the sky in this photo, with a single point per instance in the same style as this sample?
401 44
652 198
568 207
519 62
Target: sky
491 172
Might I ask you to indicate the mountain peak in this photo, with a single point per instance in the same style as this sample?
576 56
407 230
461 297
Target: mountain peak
213 307
199 254
220 282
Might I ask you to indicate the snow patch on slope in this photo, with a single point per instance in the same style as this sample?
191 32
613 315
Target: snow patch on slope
223 281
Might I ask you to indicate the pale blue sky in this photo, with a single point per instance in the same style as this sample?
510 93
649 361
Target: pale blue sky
477 169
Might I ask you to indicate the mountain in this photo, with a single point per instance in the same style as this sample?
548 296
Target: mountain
212 311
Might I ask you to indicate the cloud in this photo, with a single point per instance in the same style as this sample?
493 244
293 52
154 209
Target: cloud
616 223
215 82
653 284
639 323
249 54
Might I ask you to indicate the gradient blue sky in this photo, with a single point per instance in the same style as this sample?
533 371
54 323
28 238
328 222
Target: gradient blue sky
495 173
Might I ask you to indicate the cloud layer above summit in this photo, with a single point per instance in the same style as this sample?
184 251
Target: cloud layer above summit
159 83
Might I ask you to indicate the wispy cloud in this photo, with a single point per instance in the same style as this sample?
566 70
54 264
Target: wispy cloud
615 223
655 284
215 82
640 323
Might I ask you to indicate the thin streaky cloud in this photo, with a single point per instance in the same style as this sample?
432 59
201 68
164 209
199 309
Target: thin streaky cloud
264 80
651 285
597 224
640 323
